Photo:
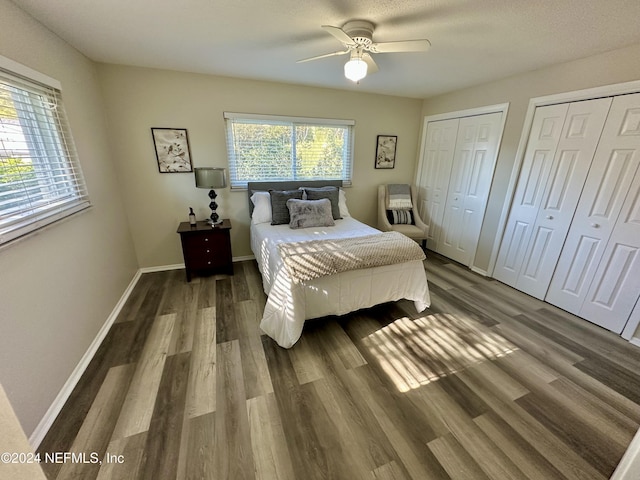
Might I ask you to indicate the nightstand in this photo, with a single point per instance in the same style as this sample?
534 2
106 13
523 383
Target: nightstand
206 248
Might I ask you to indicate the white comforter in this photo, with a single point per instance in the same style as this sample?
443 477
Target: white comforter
289 304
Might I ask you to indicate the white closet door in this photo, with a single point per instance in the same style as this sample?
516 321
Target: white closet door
614 166
536 165
616 285
473 166
440 143
578 142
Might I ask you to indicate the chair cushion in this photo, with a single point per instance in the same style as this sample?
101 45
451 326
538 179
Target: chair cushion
400 217
411 231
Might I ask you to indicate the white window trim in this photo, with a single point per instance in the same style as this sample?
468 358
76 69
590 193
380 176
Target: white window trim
23 70
315 121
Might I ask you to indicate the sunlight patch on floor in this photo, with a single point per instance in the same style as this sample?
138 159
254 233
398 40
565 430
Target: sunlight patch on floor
417 352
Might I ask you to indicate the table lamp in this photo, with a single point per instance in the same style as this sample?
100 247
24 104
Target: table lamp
209 177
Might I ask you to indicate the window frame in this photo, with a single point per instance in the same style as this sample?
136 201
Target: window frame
46 138
347 166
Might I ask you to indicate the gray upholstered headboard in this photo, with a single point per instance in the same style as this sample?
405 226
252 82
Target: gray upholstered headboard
289 185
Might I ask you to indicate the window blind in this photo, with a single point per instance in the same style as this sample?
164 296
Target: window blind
275 148
40 178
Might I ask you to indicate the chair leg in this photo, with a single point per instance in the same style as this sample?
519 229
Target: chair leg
424 244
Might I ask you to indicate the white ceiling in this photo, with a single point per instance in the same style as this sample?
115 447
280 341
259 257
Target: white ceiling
473 41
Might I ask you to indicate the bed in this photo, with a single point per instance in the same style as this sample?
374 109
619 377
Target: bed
290 301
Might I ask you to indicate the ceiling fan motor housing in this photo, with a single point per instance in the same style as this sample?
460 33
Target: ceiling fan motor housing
360 31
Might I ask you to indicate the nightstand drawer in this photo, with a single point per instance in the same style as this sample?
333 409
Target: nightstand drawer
205 243
206 252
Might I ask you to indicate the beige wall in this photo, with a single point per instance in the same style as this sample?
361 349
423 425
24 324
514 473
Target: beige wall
58 286
609 68
137 99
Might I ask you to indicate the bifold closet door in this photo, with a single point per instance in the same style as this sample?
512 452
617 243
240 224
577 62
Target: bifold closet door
536 165
440 144
615 164
545 235
616 286
470 181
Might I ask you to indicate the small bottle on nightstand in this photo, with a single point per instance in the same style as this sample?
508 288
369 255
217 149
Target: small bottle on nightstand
192 217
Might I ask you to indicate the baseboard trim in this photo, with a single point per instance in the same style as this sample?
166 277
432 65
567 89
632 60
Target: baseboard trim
45 424
178 266
629 466
244 258
479 271
635 341
162 268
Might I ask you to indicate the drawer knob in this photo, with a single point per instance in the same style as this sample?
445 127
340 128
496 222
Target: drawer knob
208 251
208 263
206 239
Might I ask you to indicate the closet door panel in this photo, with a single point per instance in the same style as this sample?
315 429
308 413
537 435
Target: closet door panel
449 242
471 175
541 147
433 183
616 286
592 226
572 160
615 163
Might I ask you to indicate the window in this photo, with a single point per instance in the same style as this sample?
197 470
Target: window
40 179
265 148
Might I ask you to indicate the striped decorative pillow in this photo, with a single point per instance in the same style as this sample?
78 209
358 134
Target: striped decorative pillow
400 217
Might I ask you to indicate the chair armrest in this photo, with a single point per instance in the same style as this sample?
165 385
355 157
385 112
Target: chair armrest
383 222
419 223
416 216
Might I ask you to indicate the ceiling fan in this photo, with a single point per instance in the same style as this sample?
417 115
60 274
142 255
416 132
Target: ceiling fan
357 38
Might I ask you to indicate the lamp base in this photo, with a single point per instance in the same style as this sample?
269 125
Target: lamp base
214 219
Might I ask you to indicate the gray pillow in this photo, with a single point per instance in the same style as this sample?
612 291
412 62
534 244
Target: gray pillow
310 213
279 210
332 193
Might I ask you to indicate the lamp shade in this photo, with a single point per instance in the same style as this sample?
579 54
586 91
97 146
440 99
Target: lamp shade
355 69
209 177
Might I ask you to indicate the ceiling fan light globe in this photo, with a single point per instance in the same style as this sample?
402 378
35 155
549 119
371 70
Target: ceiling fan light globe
355 69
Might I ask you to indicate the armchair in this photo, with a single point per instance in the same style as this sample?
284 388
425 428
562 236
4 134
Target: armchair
417 232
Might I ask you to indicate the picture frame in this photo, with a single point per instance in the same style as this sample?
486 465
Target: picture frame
172 150
386 151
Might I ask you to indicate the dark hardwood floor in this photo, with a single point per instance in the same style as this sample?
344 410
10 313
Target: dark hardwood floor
488 383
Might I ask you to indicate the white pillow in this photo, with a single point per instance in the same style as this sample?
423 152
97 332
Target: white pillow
342 203
261 207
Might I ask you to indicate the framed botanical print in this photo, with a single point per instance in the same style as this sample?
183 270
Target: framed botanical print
386 151
172 150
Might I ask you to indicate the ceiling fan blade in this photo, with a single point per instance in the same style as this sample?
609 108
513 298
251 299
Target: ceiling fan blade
339 34
402 46
371 65
332 54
